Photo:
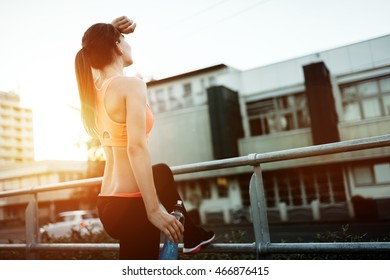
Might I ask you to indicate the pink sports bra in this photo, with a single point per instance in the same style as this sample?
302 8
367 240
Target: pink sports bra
110 132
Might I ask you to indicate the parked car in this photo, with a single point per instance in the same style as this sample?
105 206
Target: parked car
71 224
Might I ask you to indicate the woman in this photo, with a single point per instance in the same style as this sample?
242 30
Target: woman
114 109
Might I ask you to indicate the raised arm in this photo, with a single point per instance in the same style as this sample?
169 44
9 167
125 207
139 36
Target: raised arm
124 25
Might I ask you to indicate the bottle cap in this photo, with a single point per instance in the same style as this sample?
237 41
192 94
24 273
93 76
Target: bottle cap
179 202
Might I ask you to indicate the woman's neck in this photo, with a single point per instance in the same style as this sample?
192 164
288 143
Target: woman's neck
110 71
101 75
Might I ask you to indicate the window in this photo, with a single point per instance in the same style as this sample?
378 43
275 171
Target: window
160 100
205 189
384 85
187 94
278 114
200 96
212 81
366 99
152 100
363 175
382 173
371 174
174 99
223 187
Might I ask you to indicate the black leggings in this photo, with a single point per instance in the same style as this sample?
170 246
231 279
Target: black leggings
125 218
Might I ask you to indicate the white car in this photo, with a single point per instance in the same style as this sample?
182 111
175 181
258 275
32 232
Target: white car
72 223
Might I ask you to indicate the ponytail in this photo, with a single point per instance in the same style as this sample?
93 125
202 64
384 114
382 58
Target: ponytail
87 92
99 45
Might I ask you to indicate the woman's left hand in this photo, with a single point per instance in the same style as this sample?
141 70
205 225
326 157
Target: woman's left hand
167 224
124 25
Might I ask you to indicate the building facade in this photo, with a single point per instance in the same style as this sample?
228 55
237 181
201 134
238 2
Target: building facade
334 95
16 130
26 175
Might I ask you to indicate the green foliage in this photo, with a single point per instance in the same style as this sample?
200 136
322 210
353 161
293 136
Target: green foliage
12 255
76 237
338 236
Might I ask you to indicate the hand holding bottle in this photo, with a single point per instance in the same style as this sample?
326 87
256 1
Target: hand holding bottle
171 227
170 250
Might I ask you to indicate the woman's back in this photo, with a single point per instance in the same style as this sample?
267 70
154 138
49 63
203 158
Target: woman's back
112 129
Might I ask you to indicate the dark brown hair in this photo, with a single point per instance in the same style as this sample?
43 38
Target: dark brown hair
98 48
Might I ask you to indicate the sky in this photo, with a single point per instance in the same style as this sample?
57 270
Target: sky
39 40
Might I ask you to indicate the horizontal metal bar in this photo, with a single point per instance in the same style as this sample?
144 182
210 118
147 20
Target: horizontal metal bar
255 159
77 246
53 187
62 246
220 247
275 248
13 247
324 149
334 247
251 159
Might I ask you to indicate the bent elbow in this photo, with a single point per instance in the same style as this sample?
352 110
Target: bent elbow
134 149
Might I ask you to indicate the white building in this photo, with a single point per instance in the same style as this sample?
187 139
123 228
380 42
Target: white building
334 95
16 130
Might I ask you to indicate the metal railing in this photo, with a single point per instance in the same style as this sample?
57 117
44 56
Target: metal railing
262 245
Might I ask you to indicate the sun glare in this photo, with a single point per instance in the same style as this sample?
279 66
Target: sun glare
59 135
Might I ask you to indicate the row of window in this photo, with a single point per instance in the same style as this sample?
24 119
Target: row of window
296 187
15 111
178 97
16 132
278 114
325 183
171 100
371 174
366 99
6 119
190 192
13 159
360 100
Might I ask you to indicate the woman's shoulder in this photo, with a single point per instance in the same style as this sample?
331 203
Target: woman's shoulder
129 85
125 80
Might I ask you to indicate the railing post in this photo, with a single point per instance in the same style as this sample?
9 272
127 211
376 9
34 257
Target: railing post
259 212
32 228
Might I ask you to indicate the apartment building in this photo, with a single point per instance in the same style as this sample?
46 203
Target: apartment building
19 170
16 130
334 95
